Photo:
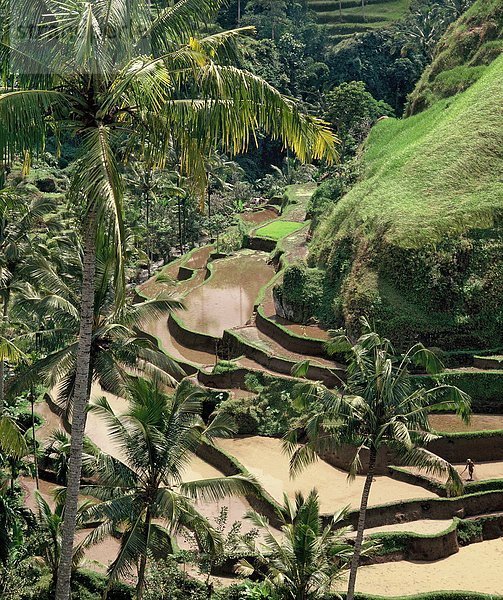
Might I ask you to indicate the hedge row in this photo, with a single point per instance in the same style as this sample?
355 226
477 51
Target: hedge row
484 387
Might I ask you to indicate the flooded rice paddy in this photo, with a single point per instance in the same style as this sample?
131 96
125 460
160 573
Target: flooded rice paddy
227 298
264 458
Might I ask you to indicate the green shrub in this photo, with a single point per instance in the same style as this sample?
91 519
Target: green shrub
301 293
166 581
484 387
243 412
326 195
269 412
225 366
469 531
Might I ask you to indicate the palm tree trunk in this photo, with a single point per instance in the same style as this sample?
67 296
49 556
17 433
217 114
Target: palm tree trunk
2 384
355 560
80 400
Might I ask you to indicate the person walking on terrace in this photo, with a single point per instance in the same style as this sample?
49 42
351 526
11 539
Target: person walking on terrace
470 465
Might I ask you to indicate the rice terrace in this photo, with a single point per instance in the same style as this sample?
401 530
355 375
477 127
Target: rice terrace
251 287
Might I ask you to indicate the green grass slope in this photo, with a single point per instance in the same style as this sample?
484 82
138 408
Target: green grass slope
417 244
471 44
347 17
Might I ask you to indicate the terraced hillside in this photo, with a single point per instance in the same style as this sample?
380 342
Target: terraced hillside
417 243
344 18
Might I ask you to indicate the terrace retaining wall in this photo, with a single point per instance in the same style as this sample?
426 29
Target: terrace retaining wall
429 508
294 343
258 243
237 347
191 339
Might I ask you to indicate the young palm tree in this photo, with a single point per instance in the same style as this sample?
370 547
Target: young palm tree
379 408
156 438
48 539
105 71
306 559
118 344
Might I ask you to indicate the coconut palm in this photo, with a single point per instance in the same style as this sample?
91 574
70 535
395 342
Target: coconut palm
105 71
379 408
304 561
20 218
142 493
118 344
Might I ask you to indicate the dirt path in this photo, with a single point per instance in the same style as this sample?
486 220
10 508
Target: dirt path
483 470
453 423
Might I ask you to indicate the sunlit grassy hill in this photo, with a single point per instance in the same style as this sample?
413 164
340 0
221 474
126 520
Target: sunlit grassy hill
345 17
417 244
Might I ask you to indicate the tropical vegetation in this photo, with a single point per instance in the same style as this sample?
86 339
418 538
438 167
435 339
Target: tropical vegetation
364 140
379 412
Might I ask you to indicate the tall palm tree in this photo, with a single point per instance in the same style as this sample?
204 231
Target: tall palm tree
304 561
101 71
156 438
379 408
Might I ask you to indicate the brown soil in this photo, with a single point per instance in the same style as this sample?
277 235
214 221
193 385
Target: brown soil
264 458
260 216
199 258
475 568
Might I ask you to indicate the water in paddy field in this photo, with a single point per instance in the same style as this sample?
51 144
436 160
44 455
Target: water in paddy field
453 423
227 298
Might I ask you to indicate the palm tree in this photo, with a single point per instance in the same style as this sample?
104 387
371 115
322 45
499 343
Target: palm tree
57 453
49 525
102 71
306 559
118 344
379 408
156 439
20 217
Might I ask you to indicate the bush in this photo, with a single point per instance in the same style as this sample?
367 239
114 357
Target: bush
484 388
469 531
326 195
165 581
301 293
268 413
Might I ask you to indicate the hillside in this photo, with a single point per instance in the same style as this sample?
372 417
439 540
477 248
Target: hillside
345 17
471 44
417 244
